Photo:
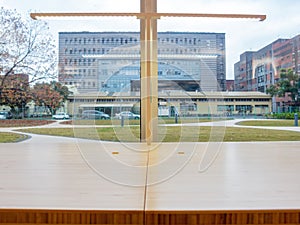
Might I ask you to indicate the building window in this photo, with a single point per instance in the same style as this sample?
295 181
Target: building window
243 108
188 106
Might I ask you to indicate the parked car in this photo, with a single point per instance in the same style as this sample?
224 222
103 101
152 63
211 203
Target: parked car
60 115
94 114
5 115
127 115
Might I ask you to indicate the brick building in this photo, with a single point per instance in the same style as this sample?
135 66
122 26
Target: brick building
257 70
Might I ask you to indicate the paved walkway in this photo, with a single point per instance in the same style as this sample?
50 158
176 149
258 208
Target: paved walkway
233 123
227 123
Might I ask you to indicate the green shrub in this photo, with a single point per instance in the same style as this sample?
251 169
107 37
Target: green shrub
284 116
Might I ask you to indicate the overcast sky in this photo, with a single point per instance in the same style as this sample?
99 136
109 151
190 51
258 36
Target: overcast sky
283 19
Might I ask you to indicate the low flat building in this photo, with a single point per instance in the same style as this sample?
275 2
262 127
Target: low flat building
176 102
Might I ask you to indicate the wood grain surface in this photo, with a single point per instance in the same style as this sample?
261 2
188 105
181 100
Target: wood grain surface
62 181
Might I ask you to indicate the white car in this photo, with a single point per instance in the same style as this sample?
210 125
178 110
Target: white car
127 115
60 116
2 116
5 115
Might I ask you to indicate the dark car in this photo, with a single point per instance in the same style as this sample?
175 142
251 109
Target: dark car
94 114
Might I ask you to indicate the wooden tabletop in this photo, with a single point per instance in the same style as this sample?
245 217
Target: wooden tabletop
86 174
58 173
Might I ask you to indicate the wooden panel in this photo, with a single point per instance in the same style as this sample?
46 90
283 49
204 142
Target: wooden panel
19 216
266 217
223 217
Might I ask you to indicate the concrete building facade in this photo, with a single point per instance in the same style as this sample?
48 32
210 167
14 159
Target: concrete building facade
110 61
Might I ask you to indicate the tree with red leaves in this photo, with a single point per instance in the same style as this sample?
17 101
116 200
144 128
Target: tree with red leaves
48 95
26 47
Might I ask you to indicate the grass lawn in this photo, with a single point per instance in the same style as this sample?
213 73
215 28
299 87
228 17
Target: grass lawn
173 134
9 137
162 120
166 134
268 123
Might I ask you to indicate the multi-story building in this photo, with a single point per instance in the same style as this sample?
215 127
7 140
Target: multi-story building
110 61
243 72
257 70
229 85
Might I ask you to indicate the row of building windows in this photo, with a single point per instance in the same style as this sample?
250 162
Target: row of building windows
80 62
112 40
121 41
134 51
279 49
186 101
121 63
284 54
79 75
82 84
89 71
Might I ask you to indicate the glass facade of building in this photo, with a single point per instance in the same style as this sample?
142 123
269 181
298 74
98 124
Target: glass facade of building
110 61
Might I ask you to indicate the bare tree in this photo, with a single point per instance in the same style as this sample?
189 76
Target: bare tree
26 47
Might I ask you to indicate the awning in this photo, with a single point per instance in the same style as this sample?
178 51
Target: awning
106 105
